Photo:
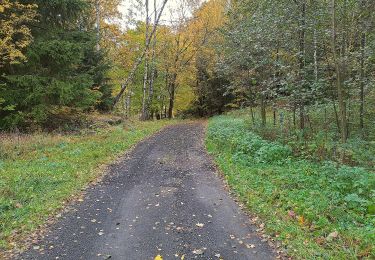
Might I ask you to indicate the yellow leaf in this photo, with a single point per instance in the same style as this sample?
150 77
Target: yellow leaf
199 225
183 257
2 9
301 220
158 257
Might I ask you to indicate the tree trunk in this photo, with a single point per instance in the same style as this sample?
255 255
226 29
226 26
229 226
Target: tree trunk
274 117
146 73
171 100
153 69
336 115
263 110
315 56
349 113
302 117
339 80
362 77
173 80
302 62
362 90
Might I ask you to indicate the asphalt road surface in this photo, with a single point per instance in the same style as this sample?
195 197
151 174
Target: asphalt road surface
164 199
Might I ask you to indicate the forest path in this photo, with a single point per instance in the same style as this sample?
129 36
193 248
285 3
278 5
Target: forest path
164 199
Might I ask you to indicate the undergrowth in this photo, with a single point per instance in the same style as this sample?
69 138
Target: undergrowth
317 209
319 140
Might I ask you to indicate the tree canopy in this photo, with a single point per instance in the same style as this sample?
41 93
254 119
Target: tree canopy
212 56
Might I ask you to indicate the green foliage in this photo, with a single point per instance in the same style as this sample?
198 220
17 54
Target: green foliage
40 172
301 202
63 69
279 54
320 139
210 91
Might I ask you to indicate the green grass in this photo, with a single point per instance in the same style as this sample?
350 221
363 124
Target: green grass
39 172
300 201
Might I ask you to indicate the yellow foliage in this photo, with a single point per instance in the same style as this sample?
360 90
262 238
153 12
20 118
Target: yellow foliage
190 41
13 22
177 47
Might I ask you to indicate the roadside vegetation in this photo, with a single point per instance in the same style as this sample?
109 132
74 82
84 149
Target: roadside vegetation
39 172
317 209
319 140
297 78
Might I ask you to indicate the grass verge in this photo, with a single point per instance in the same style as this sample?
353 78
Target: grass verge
318 210
39 172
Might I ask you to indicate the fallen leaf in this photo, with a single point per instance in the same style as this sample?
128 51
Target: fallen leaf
254 219
301 220
332 236
320 240
250 246
198 251
200 225
158 257
178 228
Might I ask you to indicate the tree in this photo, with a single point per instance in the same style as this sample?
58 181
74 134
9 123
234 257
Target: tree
139 60
64 71
327 63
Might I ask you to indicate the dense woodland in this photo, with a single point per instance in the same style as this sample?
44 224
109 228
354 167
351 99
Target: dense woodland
50 63
302 57
295 81
60 58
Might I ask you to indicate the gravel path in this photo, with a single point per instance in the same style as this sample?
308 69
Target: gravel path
164 199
